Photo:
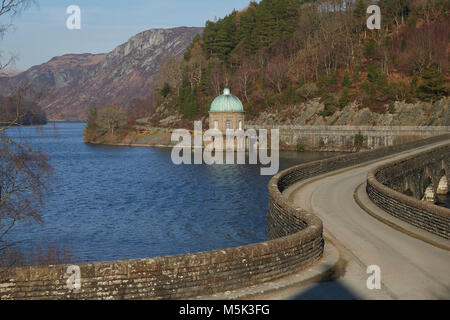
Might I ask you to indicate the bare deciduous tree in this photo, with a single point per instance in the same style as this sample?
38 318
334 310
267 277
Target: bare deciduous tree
11 8
110 119
170 72
245 77
23 184
219 78
194 70
24 172
277 70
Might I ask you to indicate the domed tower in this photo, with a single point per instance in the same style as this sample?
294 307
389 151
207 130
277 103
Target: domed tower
226 112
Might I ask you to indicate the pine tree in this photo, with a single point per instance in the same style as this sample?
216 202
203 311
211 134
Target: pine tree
359 13
433 85
344 98
187 100
247 30
166 90
360 9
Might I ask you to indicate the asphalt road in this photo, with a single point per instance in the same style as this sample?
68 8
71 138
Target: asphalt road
410 268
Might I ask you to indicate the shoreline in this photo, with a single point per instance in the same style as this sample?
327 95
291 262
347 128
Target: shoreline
141 145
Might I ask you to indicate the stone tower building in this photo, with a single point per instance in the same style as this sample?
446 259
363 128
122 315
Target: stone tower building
226 112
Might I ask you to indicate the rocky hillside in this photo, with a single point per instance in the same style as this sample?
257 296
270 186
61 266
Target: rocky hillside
74 83
399 113
310 113
315 62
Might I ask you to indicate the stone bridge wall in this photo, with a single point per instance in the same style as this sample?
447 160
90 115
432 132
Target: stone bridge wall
386 183
172 277
279 217
413 175
295 242
335 138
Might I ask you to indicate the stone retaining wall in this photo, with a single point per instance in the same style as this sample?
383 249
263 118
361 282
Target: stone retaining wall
341 138
419 213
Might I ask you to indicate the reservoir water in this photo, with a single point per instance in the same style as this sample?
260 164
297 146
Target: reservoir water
112 203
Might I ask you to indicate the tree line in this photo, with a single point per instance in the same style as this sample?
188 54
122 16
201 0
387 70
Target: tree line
25 113
105 122
279 52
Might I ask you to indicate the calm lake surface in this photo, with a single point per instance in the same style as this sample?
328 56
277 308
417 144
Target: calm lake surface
113 203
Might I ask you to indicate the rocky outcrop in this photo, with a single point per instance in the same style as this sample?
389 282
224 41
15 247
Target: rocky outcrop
73 83
402 114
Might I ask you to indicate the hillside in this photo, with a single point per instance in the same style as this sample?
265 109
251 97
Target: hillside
72 84
291 59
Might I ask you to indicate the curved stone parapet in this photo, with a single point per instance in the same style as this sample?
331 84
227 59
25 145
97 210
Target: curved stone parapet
296 241
171 277
299 244
425 215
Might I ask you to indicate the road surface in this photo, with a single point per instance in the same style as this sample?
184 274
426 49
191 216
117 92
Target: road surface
410 268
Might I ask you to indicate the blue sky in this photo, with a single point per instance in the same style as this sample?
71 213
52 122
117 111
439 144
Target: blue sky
40 33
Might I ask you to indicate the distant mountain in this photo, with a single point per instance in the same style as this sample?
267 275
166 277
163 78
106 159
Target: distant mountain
9 73
73 83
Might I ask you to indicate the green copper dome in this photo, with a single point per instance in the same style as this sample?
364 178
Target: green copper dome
226 103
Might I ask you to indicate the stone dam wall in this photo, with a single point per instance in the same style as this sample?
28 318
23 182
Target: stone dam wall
295 242
321 138
341 138
382 180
